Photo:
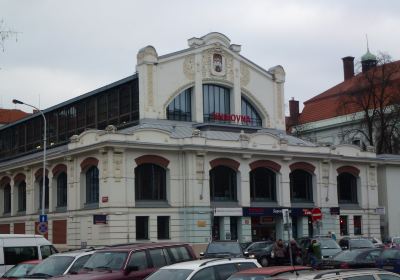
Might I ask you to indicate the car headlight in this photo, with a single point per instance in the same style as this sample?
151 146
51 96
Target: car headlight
252 256
272 254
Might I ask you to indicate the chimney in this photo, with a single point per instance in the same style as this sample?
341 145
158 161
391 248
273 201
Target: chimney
294 111
348 67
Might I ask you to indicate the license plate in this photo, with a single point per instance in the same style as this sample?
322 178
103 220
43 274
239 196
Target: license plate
388 267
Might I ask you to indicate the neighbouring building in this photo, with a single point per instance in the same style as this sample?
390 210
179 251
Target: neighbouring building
11 115
192 147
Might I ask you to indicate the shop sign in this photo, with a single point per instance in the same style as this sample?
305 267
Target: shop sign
100 219
201 223
266 220
335 211
380 210
231 118
275 211
228 212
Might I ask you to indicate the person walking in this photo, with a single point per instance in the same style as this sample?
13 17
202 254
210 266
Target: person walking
314 252
296 252
279 252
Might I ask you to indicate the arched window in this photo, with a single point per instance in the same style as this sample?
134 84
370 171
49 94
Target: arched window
262 185
150 182
92 185
21 196
180 109
7 199
249 110
347 188
46 194
301 189
62 189
216 99
223 184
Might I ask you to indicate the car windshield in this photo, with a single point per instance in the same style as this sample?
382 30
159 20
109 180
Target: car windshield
390 254
176 274
396 240
222 247
106 260
329 244
19 270
52 266
346 256
361 243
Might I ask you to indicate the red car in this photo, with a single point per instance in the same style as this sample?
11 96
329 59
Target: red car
267 272
20 270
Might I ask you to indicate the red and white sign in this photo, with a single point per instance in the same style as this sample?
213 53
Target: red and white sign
316 214
231 118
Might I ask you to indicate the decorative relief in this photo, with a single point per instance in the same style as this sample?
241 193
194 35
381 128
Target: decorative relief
244 74
117 166
189 67
217 64
150 93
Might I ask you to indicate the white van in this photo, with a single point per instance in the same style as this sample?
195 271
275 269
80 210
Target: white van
15 248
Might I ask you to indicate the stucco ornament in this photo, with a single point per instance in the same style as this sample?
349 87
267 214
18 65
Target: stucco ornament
111 128
196 133
217 64
189 67
244 74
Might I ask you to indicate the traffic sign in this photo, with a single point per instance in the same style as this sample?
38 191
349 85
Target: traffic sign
42 227
43 218
316 214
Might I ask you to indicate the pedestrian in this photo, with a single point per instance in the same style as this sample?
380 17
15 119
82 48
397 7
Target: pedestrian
279 252
314 252
296 252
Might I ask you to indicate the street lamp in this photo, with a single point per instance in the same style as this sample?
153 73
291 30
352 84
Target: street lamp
15 101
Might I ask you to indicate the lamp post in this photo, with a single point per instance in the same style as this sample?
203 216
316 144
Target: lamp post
15 101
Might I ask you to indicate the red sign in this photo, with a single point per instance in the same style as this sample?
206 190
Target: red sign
231 117
316 214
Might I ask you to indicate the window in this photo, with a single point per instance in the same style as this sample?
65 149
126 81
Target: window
62 190
388 277
206 273
246 265
179 254
357 225
157 258
22 196
142 227
249 110
234 228
301 186
180 109
163 227
139 260
15 255
7 199
92 185
361 277
223 184
150 182
216 99
47 251
347 188
225 270
343 225
262 185
46 194
78 264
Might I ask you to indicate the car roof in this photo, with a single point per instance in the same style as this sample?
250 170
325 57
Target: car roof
272 270
139 246
335 273
206 262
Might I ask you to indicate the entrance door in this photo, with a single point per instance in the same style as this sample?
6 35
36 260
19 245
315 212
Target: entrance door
263 228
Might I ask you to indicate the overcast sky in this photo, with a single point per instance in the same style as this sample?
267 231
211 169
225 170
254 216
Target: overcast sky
67 48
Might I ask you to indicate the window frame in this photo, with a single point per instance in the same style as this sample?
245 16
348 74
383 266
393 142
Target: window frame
156 188
347 182
230 190
305 183
92 186
255 188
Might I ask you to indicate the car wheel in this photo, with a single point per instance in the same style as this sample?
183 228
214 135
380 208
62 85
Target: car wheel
264 262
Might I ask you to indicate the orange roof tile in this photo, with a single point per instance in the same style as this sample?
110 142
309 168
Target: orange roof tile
11 115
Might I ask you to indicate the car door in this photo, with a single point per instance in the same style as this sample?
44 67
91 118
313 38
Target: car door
224 271
139 266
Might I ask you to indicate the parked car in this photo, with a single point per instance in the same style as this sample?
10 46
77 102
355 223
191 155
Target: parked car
389 260
60 264
223 248
395 242
329 247
261 251
20 270
132 261
350 243
16 248
205 269
267 272
357 258
376 241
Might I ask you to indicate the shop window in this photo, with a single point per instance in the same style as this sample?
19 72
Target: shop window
251 112
7 199
357 225
301 186
215 229
92 185
234 228
22 196
46 194
62 190
343 225
150 182
142 227
222 184
163 227
216 99
347 188
180 109
262 185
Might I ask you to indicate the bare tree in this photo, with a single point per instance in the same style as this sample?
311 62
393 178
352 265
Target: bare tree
6 33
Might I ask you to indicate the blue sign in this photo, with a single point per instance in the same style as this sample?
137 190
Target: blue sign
42 227
42 218
100 219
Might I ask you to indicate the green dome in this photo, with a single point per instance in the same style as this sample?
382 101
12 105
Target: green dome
368 56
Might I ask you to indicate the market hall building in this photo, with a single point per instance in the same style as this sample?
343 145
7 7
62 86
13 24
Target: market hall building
192 147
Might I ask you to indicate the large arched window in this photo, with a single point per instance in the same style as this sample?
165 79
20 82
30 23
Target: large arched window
150 182
347 188
46 194
21 196
180 109
223 184
262 185
216 99
7 199
301 189
62 189
251 112
92 185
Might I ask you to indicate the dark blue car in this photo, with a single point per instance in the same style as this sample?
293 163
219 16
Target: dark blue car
389 260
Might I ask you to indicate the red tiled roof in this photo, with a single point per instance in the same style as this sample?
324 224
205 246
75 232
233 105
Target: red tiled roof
11 115
330 103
